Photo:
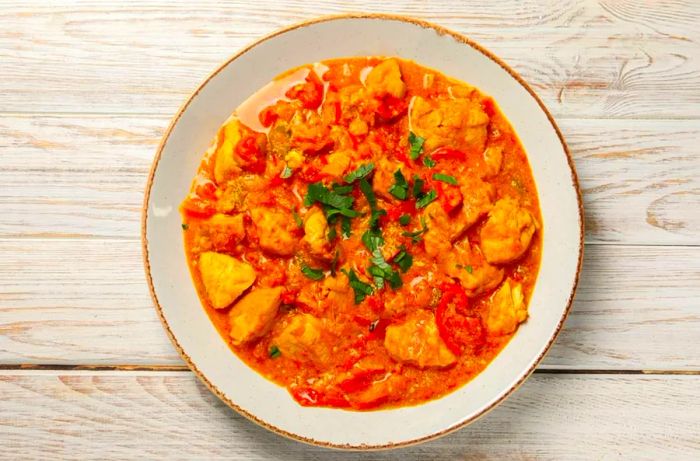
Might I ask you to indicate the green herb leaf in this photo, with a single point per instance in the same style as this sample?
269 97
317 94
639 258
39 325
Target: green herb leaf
404 219
297 219
366 189
317 192
313 274
382 269
418 184
400 187
185 226
426 199
332 233
274 352
403 259
428 161
445 178
416 236
286 173
330 212
372 238
361 289
345 227
470 269
342 190
416 143
361 172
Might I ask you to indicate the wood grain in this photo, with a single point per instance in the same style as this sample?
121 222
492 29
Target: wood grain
83 176
585 58
128 415
74 301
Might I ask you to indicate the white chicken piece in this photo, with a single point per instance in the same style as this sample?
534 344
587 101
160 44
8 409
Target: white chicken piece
384 177
507 309
417 341
454 122
225 163
252 316
274 230
315 232
224 231
508 232
301 340
224 277
468 266
444 228
385 78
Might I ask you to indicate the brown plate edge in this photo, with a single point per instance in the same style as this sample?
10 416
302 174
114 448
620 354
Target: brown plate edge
144 241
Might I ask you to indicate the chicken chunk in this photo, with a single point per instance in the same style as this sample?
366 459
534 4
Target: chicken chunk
493 158
224 278
315 239
385 79
252 316
384 177
417 341
444 227
337 293
274 230
338 162
507 309
459 123
301 339
467 265
409 297
224 231
507 233
225 163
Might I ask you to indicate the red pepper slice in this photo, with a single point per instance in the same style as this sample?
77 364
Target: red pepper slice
310 93
249 151
457 329
198 208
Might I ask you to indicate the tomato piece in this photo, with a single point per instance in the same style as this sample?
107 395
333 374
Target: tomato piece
309 93
447 153
489 107
289 296
360 381
253 158
450 196
268 116
391 107
198 208
457 328
309 397
206 190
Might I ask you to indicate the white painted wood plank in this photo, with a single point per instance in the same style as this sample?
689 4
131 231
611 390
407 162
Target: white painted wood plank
73 301
84 176
585 58
127 415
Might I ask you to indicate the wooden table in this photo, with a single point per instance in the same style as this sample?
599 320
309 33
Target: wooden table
86 90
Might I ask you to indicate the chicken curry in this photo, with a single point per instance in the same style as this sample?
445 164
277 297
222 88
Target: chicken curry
365 232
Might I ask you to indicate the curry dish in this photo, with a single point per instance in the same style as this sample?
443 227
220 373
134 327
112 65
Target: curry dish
365 232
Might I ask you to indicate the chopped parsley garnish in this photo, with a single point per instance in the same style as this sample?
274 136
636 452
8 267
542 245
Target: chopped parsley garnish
185 226
361 172
361 289
469 269
416 236
382 270
400 187
313 274
286 173
426 199
366 189
403 259
345 227
317 192
297 219
445 178
332 232
416 143
372 238
274 352
404 219
342 190
428 161
418 184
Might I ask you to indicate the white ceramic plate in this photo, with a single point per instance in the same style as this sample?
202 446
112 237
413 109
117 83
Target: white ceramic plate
195 125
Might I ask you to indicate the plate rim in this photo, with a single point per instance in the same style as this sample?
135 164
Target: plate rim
176 118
